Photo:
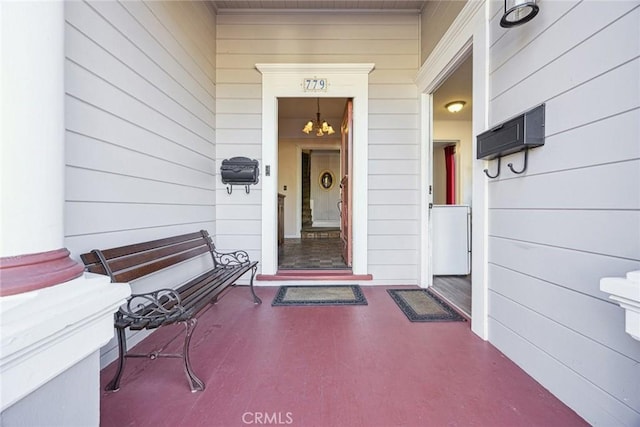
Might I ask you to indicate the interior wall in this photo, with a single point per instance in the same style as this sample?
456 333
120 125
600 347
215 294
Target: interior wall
140 125
288 176
324 203
439 182
461 131
390 41
573 217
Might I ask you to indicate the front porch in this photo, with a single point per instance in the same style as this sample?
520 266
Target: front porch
329 366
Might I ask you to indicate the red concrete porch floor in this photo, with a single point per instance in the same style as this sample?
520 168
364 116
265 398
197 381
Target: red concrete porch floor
333 366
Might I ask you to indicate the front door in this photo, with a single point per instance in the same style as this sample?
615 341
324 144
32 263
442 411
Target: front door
346 184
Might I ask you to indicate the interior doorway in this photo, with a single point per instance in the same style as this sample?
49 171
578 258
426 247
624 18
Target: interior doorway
312 167
452 188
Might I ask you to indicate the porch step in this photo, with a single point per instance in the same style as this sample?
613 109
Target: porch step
320 233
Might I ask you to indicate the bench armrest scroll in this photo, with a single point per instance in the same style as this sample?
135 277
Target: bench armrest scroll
229 259
158 306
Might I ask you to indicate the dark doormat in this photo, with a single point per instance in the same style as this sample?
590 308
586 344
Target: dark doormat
319 295
420 305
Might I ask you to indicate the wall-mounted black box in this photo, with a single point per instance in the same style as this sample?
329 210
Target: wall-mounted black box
517 134
239 171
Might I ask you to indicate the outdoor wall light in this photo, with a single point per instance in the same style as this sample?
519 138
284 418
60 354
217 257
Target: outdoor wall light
455 106
517 12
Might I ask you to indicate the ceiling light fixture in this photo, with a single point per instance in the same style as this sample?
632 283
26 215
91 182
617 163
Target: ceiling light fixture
517 12
455 106
321 127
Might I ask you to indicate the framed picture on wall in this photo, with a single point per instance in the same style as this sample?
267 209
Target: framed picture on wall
326 179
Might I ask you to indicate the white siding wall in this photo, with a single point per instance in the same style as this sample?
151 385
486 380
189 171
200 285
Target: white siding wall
388 40
140 119
574 216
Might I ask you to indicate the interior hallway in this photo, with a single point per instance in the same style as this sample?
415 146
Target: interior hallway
352 366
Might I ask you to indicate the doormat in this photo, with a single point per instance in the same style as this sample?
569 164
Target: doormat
319 295
420 305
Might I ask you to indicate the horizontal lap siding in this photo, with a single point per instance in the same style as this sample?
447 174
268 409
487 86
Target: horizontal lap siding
388 40
574 216
140 120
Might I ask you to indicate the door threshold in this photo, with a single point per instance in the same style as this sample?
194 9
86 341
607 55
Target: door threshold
314 275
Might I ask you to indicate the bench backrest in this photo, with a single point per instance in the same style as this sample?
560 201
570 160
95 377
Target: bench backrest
127 263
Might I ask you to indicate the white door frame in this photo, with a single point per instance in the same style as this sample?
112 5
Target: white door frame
468 33
286 80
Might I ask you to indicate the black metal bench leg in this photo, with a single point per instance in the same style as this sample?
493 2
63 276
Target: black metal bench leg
195 383
114 384
256 299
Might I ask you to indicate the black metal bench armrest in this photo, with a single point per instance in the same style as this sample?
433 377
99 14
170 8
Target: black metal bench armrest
154 308
231 259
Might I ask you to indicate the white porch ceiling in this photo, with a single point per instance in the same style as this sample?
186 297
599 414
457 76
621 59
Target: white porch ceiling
415 5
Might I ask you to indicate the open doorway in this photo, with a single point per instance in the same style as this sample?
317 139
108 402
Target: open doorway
310 184
347 80
452 188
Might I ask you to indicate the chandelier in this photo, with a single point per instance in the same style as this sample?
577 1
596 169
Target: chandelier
320 127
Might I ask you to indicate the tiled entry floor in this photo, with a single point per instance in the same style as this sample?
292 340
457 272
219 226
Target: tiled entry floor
311 254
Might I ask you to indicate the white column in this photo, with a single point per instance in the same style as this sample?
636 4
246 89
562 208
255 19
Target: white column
32 127
54 319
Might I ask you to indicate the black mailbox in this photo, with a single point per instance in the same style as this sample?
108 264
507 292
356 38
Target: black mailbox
239 171
520 133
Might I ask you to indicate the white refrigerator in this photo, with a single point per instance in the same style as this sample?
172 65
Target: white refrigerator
451 231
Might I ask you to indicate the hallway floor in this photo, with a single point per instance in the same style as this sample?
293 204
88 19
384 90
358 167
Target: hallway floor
352 366
456 290
321 253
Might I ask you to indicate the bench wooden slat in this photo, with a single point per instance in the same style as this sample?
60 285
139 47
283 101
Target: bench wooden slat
155 324
205 288
231 278
96 268
91 258
141 258
187 290
129 275
138 325
197 287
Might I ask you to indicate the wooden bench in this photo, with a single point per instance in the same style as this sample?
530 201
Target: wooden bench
165 305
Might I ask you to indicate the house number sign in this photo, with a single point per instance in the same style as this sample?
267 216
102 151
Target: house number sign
315 84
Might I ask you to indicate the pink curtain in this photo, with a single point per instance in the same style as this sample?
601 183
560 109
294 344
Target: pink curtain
450 165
